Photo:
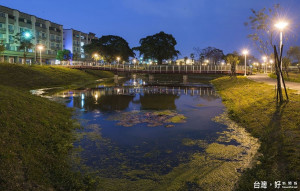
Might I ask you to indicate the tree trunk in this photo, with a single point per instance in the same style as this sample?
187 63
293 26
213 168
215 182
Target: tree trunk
24 55
159 61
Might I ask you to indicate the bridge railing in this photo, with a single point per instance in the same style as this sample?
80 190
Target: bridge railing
155 68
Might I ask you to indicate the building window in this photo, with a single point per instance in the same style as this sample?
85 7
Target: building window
11 39
11 28
22 20
2 15
11 17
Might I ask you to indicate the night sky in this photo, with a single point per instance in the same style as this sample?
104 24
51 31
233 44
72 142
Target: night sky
194 23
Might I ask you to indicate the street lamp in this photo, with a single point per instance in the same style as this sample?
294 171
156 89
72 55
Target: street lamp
40 47
265 60
134 62
245 52
96 57
281 25
271 63
27 35
118 59
206 62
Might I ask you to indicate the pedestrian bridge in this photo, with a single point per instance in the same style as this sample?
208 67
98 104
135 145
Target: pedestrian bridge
159 69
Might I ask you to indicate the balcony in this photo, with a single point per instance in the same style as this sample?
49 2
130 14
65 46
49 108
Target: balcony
26 25
3 30
11 31
11 21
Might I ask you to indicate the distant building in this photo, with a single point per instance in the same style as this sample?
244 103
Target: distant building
44 32
74 41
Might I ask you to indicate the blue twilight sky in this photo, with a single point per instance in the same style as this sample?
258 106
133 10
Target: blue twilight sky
194 23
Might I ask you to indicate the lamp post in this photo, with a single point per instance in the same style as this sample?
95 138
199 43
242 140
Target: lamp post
271 64
265 60
96 57
118 59
245 52
40 47
134 62
281 25
26 38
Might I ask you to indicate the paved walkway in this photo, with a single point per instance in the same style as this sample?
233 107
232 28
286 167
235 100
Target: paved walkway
266 79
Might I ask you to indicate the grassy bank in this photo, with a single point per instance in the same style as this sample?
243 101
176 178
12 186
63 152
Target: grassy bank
254 107
36 134
29 77
293 77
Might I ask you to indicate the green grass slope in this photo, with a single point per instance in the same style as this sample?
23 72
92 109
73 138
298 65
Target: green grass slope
29 77
36 133
253 105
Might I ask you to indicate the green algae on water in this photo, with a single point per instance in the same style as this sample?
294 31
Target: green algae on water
153 119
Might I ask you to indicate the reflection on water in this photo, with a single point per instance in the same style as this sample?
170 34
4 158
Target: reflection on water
119 98
116 149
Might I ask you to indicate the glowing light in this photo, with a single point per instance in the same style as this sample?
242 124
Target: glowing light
134 60
27 35
82 96
118 58
271 61
245 52
281 25
264 58
40 47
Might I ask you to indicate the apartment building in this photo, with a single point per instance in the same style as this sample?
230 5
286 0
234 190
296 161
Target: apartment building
74 41
44 32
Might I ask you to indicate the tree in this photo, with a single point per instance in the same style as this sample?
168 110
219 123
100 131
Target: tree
233 60
24 39
286 62
2 48
294 54
160 46
76 56
261 24
192 55
110 47
185 59
64 55
210 53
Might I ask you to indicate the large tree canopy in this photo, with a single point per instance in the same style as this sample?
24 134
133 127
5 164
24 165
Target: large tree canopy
160 46
294 54
211 53
233 59
64 55
110 47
